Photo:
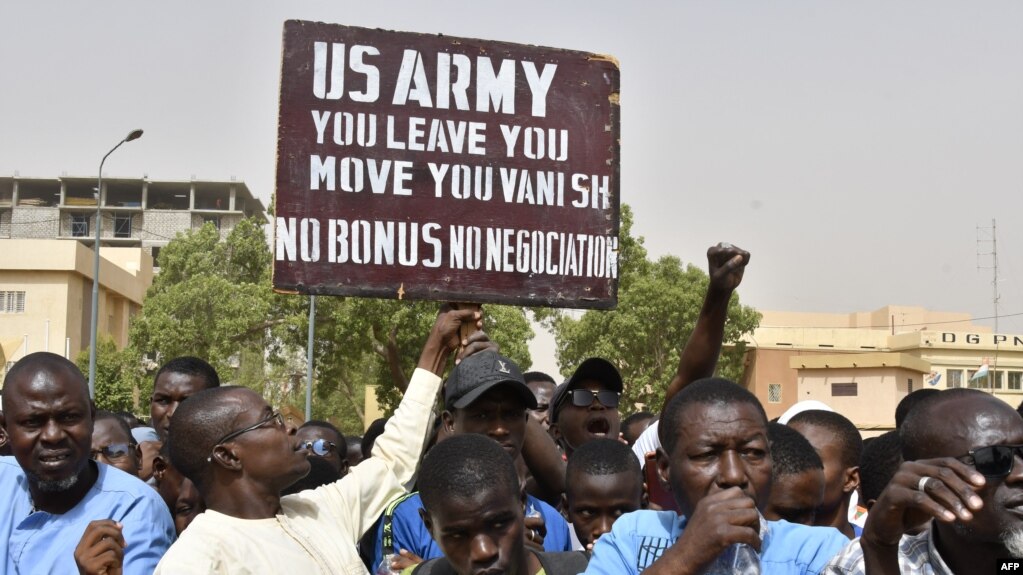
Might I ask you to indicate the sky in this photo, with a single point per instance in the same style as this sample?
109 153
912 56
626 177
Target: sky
856 149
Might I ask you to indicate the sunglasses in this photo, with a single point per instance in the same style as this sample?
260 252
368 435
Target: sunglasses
585 397
113 451
320 447
995 460
275 418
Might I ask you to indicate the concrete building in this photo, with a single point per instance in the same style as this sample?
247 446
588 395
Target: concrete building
136 212
46 295
862 364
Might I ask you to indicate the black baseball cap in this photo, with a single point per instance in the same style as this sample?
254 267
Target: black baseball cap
594 368
480 372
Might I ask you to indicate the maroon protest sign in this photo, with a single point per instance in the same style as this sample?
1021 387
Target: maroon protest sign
429 167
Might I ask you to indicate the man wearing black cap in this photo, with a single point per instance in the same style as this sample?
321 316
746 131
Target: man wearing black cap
586 406
487 395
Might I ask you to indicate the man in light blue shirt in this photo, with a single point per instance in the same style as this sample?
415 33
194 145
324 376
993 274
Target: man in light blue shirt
63 512
716 458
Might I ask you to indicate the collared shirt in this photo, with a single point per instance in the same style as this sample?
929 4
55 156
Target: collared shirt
41 542
410 533
316 530
638 539
917 556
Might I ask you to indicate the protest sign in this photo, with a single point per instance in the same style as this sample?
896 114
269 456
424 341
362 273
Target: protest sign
430 167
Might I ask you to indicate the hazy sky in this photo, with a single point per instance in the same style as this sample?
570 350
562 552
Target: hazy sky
853 147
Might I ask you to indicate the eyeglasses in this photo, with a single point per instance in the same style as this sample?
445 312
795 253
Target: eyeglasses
113 451
275 418
320 447
585 397
995 460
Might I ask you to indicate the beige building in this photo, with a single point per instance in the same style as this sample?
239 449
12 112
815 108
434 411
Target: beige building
46 295
136 212
862 364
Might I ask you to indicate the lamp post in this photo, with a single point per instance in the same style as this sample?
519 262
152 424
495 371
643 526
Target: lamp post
133 135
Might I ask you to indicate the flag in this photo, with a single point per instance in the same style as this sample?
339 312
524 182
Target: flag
934 378
981 371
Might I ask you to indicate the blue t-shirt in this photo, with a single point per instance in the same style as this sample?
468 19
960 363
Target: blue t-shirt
410 533
42 542
639 538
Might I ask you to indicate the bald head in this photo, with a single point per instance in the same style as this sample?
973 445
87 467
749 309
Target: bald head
25 370
960 411
199 423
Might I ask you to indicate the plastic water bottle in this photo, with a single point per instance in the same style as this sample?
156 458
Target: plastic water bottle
384 568
740 558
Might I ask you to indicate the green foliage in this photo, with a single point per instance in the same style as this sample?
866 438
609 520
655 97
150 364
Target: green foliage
213 299
363 342
658 303
118 381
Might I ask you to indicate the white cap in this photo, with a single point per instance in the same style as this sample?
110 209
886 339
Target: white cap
800 407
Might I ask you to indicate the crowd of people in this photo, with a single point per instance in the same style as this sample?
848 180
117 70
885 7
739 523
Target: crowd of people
493 470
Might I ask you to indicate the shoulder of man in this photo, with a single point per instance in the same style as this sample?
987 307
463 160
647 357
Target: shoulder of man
635 542
809 546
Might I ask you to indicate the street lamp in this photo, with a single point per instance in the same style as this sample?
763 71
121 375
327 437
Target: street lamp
133 135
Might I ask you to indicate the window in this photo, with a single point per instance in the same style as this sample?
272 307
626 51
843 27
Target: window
774 393
79 226
12 302
122 225
156 256
993 380
844 389
211 220
909 384
996 383
955 378
1016 381
980 383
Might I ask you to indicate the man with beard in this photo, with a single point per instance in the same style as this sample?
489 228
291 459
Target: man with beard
55 497
326 450
961 451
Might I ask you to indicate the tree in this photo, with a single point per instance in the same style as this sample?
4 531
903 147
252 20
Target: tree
211 299
362 341
118 380
658 303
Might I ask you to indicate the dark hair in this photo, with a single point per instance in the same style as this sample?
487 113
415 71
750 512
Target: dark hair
791 453
633 419
708 391
602 457
199 422
920 432
41 361
104 414
851 443
129 419
909 402
193 366
881 459
374 431
462 465
538 376
340 443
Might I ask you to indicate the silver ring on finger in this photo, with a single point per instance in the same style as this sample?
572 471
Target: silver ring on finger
922 484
